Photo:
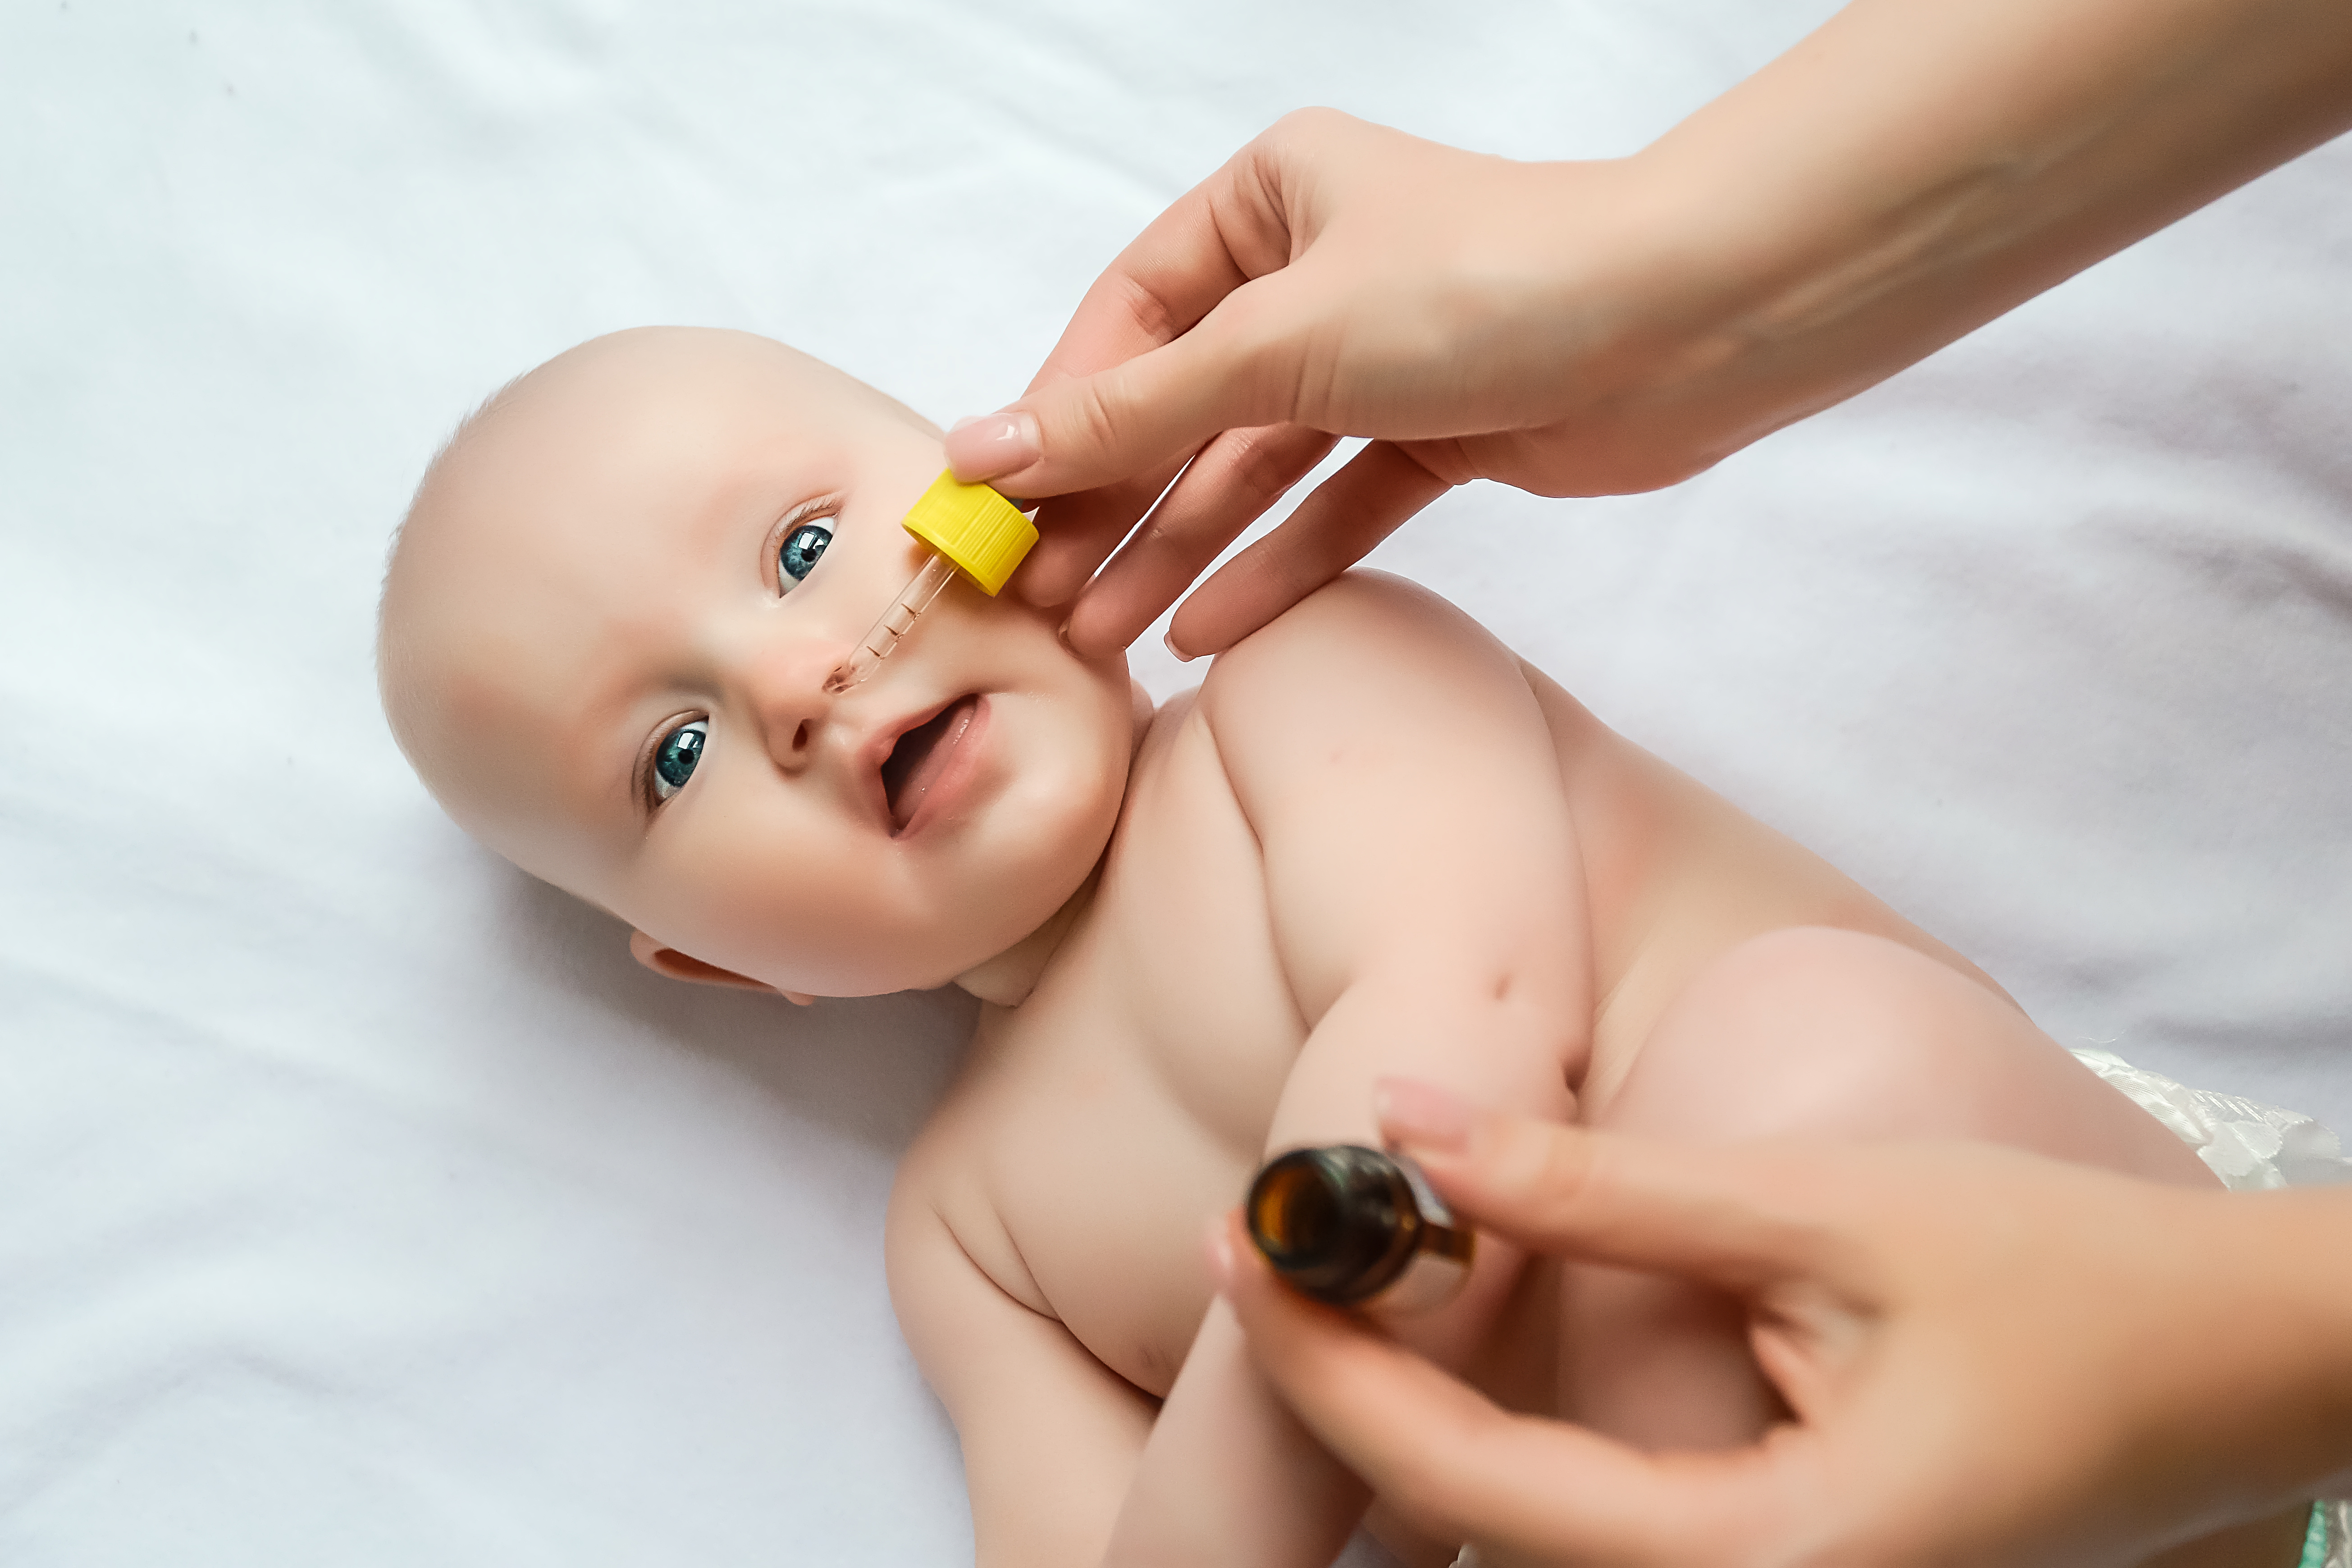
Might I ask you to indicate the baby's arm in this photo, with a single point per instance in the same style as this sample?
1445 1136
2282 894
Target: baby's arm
1427 901
1050 1435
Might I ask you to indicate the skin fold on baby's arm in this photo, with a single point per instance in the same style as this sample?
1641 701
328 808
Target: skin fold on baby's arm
1427 902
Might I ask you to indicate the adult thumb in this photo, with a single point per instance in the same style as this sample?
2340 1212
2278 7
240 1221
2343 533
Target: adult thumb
1149 413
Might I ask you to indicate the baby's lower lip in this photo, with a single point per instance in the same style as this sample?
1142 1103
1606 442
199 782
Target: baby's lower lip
930 763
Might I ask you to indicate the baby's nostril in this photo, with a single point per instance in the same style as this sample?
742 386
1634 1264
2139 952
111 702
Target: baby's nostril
800 737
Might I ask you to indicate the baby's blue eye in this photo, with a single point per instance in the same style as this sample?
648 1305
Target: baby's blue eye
803 547
674 758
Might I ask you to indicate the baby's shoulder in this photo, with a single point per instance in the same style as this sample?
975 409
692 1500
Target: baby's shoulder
1353 627
1370 670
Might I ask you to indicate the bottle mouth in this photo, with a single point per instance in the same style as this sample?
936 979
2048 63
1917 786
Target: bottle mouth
1339 1224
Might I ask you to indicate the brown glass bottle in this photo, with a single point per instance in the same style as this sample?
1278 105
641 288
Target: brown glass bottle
1357 1228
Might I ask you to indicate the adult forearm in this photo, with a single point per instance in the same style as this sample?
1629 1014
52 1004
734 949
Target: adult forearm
1916 167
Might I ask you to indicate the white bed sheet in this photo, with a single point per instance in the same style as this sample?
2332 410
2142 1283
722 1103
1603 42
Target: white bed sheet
364 1208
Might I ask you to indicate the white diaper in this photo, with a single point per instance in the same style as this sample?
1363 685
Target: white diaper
2251 1146
2248 1144
2329 1544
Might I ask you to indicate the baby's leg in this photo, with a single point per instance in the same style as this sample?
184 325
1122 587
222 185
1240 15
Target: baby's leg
1834 1034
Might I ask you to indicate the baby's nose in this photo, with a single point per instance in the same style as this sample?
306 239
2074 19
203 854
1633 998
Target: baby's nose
788 695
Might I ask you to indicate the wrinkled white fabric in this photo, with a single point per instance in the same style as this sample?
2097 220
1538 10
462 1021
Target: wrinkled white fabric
2340 1536
365 1206
2249 1145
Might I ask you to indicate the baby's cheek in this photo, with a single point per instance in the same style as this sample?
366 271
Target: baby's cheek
696 888
839 918
1031 855
796 909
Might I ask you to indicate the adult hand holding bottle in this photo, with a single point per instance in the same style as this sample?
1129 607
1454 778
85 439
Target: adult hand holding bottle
1908 172
1992 1360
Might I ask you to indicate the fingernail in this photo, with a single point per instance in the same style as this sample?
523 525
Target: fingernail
993 444
1177 654
1220 1253
1420 1115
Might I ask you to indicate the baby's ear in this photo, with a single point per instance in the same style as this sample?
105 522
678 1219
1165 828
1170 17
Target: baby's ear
679 966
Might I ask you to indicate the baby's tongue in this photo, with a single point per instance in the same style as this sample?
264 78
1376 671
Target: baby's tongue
921 755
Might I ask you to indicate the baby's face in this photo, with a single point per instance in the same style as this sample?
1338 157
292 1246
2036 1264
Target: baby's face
606 638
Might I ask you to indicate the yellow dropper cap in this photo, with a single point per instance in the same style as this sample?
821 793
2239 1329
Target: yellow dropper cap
982 535
970 528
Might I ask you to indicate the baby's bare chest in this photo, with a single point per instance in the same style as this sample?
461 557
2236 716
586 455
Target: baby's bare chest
1128 1099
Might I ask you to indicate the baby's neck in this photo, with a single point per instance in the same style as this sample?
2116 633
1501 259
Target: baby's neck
1009 977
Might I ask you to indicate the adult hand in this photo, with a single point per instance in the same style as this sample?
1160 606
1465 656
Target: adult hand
1910 171
1484 318
1993 1358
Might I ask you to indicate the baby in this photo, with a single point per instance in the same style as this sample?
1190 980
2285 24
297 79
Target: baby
1372 843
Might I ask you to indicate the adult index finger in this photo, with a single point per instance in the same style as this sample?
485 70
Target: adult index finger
1229 485
1336 526
1739 1216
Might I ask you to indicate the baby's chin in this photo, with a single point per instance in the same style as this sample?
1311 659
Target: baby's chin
1017 942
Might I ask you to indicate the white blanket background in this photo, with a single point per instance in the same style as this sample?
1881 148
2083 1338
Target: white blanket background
360 1204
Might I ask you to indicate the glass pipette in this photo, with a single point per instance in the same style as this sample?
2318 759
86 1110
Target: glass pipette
969 530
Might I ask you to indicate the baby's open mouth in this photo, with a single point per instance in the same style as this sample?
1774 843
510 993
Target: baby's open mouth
921 755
